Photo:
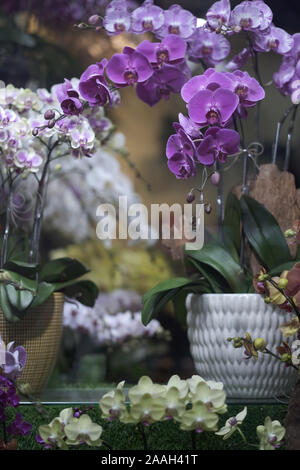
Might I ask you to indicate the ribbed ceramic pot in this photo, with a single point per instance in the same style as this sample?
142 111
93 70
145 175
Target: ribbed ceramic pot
40 333
212 318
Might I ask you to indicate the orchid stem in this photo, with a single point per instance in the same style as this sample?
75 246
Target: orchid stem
220 201
289 140
143 434
279 124
7 226
39 208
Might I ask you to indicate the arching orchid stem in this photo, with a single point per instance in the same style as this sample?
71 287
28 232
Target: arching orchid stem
288 298
39 208
107 445
279 124
137 172
143 434
289 140
7 224
220 200
267 351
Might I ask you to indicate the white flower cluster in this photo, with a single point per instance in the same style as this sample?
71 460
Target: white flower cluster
115 318
77 183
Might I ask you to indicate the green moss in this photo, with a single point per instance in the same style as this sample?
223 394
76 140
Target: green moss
161 436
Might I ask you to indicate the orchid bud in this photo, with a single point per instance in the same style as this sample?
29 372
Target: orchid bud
267 300
93 19
35 131
259 344
215 178
81 25
190 197
262 277
289 233
57 167
51 124
285 357
283 283
207 208
49 114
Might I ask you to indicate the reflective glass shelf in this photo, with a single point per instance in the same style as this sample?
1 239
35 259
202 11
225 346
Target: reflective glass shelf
79 396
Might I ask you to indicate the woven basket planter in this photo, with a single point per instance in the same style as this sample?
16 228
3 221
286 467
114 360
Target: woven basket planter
212 318
40 333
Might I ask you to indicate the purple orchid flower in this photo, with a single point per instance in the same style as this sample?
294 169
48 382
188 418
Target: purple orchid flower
164 81
15 360
266 13
212 107
295 51
285 75
208 46
93 86
128 68
248 17
178 21
239 60
210 80
19 427
276 39
8 394
69 98
189 127
46 445
170 50
246 88
217 145
180 143
117 20
181 165
147 17
218 14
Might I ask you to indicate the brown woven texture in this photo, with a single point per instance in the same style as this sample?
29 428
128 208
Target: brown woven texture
40 333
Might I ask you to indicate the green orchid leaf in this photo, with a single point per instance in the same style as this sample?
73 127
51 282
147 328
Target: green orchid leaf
173 283
153 305
218 283
264 234
19 299
232 226
25 269
86 292
62 270
282 267
160 295
44 291
6 307
220 260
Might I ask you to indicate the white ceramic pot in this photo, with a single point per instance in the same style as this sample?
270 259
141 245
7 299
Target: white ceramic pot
212 318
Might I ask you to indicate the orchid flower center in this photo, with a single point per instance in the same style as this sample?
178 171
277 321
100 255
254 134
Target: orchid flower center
206 50
246 23
233 422
274 44
130 76
162 55
119 27
242 91
212 117
147 25
174 29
